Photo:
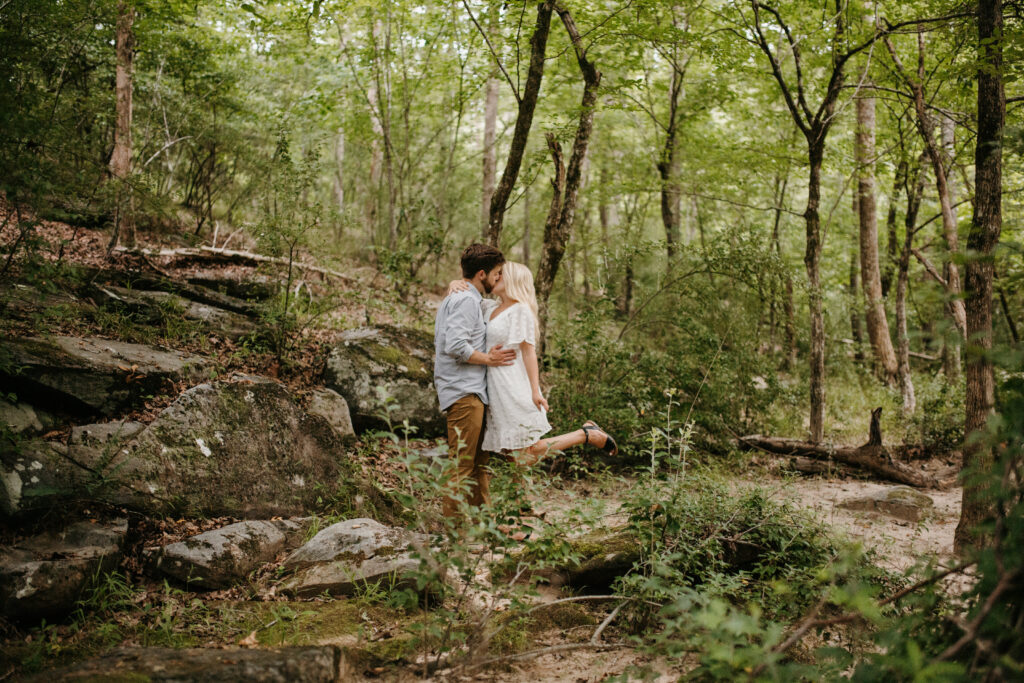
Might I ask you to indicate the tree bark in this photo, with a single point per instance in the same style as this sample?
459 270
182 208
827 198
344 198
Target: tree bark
556 235
906 381
526 226
855 309
812 262
986 225
892 241
339 178
950 347
668 170
121 159
524 121
871 277
490 126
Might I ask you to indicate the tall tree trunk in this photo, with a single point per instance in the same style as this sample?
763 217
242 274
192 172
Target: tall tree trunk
812 262
556 234
914 191
339 178
121 159
526 226
871 277
981 242
892 241
951 346
668 170
490 126
855 308
524 120
372 207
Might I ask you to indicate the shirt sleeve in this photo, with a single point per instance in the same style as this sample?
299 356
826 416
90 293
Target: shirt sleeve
521 326
462 320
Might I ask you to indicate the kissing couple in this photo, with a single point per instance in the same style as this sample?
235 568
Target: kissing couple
487 375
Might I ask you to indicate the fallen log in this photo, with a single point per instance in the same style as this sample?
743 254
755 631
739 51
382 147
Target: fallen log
873 456
799 463
231 255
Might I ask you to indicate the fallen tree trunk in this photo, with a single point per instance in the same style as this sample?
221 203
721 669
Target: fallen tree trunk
873 456
231 255
798 463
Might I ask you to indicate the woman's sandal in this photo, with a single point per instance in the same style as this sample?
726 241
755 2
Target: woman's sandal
609 447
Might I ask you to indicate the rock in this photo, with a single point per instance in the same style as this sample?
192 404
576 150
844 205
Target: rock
349 554
242 448
35 476
312 664
46 575
153 307
219 558
329 405
92 375
20 417
93 442
253 287
901 502
371 363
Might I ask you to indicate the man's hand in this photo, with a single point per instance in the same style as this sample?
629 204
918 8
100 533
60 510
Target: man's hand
499 356
540 401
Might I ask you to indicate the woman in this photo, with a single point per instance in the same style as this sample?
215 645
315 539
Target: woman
517 410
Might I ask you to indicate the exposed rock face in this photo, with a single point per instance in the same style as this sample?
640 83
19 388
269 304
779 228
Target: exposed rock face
151 307
329 405
45 575
371 363
348 554
219 558
326 664
21 418
91 375
242 448
901 502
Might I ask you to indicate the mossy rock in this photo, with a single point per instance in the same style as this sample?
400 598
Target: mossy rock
373 368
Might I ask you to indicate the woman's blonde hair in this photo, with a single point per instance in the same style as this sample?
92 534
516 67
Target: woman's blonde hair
519 286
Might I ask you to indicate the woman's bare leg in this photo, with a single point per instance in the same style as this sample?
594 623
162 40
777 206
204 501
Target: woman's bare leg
533 454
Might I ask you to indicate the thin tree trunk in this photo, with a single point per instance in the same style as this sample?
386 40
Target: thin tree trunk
951 346
668 170
371 209
557 235
892 242
1010 324
121 159
914 192
871 277
812 262
524 120
982 240
855 308
526 226
490 126
339 179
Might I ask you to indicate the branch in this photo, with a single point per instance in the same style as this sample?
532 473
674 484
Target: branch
497 60
929 267
777 71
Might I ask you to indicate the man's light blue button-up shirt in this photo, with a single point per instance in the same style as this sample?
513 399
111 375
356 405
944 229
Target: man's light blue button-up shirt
459 329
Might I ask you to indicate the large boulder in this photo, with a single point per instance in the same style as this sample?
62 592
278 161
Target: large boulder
312 664
330 405
91 375
387 370
45 575
349 554
222 557
242 448
154 307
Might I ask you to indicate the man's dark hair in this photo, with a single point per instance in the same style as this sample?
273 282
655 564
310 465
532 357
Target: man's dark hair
479 257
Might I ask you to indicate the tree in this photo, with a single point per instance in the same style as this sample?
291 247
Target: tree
871 277
986 224
121 159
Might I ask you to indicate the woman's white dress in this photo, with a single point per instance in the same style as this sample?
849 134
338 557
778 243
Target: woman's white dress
513 421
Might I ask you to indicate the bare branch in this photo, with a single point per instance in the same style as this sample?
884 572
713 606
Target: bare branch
497 59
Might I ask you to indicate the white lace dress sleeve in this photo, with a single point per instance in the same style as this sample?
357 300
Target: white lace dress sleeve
513 421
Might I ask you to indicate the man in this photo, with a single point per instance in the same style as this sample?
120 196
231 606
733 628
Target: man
460 372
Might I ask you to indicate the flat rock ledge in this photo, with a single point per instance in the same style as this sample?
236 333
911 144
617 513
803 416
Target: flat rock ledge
347 555
223 557
901 502
326 664
45 575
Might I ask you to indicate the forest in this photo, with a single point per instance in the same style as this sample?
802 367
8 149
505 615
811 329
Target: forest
778 254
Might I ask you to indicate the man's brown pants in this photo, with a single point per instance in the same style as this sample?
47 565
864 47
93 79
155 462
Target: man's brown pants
465 433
